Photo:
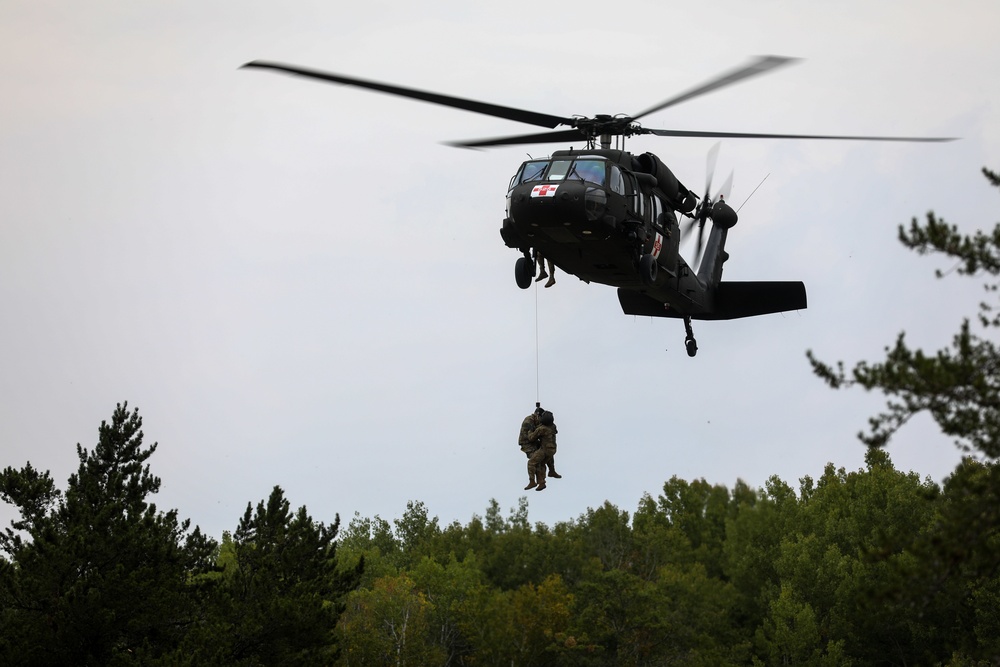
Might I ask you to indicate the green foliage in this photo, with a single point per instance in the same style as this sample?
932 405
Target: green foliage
96 575
280 594
957 386
388 624
854 567
791 635
949 575
935 594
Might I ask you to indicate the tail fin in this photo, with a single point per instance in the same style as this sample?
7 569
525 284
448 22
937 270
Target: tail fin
710 269
723 219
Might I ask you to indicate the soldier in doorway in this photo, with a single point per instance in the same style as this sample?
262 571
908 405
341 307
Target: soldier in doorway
542 275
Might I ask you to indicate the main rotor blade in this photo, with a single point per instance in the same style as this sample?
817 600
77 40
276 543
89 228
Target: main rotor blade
510 113
541 138
759 66
760 135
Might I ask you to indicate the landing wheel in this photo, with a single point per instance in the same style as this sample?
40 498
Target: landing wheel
524 271
648 270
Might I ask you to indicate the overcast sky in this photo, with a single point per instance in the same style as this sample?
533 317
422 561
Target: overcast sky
299 284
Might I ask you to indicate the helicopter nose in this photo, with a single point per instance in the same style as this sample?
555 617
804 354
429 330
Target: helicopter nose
569 211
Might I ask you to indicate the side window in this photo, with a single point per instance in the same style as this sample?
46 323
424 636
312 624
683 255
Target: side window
633 193
656 210
617 181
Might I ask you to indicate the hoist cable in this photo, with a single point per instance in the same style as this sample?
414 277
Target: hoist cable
537 392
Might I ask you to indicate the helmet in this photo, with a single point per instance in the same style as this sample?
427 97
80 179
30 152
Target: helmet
547 418
539 411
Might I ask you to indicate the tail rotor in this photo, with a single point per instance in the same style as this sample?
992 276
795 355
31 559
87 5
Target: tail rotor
706 204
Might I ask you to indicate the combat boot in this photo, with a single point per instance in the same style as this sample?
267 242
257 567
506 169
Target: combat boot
541 485
553 473
531 483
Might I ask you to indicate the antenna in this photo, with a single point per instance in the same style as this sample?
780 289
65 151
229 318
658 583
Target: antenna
751 194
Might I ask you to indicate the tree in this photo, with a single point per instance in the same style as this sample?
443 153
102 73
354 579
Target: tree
388 624
452 590
791 635
529 625
951 578
96 575
948 578
958 386
280 594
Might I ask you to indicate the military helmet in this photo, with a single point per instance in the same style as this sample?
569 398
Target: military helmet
538 411
547 418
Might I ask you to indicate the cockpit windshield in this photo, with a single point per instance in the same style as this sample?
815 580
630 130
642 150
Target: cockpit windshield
533 171
591 169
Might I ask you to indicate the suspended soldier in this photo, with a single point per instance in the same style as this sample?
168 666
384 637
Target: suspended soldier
531 448
529 424
543 457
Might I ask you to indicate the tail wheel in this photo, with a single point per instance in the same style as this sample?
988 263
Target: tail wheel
689 342
524 270
691 346
648 270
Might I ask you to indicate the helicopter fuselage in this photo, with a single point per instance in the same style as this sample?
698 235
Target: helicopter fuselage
597 212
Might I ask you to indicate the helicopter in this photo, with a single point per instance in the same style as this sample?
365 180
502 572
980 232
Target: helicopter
611 217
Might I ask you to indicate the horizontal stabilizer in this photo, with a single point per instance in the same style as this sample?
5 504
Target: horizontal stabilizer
746 299
732 300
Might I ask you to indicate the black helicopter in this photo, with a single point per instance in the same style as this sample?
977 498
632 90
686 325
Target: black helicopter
611 217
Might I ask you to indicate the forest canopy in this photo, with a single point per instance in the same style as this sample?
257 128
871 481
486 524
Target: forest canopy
863 567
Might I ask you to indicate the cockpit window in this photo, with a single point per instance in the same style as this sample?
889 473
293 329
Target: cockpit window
533 171
588 170
557 171
591 169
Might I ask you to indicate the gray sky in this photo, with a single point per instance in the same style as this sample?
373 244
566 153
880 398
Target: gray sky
298 284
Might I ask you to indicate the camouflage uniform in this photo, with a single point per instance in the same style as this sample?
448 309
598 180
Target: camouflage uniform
529 424
529 448
544 456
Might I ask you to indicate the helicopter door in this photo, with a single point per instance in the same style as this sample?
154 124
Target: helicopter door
656 211
662 218
633 195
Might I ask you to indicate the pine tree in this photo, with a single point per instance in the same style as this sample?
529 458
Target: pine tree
959 386
280 593
950 583
96 575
